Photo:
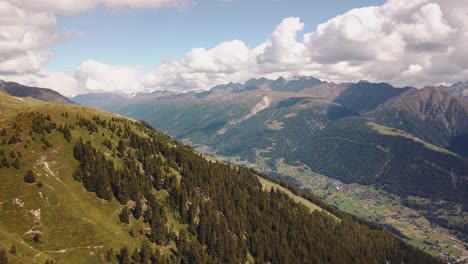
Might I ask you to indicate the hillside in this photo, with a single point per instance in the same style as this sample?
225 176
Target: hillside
430 114
83 186
365 96
18 90
398 162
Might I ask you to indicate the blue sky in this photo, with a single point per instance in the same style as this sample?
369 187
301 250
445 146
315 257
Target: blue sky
147 37
129 46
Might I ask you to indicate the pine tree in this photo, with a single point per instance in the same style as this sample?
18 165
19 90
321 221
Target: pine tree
67 134
145 252
124 256
121 147
5 162
14 139
137 210
3 257
124 216
30 177
16 163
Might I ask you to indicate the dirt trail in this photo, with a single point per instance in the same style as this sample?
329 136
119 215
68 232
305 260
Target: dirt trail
48 170
65 250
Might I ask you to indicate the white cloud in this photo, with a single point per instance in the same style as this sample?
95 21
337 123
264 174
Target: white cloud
201 67
384 42
89 77
413 69
61 82
404 42
23 37
28 29
61 7
145 3
283 47
68 7
93 76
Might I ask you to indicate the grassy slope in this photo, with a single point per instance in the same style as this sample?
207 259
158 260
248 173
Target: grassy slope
71 220
396 132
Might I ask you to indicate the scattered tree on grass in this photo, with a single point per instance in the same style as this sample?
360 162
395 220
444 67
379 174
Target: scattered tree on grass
30 177
13 250
124 216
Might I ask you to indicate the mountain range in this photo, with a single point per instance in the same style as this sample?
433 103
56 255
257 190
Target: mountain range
291 119
405 141
79 185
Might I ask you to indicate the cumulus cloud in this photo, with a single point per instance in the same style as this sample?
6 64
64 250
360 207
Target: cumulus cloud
233 61
93 76
62 82
68 7
23 37
89 77
201 68
416 42
28 28
145 3
387 42
61 7
283 47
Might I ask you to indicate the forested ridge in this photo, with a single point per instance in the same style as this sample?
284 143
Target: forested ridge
222 214
400 165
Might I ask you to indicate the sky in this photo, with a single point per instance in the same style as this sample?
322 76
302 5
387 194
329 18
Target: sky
129 46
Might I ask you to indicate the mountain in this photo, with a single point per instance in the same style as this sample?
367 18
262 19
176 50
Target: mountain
459 89
84 186
19 90
109 101
356 150
430 114
365 96
295 84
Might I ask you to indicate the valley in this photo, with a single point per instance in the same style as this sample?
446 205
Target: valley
376 205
